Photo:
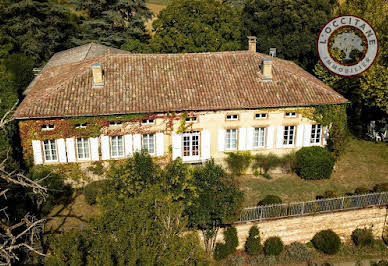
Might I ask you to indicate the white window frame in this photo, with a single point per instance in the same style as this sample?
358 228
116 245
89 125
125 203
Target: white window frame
191 119
85 148
148 121
52 151
84 125
115 124
291 114
115 147
287 136
233 117
191 135
261 116
145 143
231 134
48 127
316 134
256 137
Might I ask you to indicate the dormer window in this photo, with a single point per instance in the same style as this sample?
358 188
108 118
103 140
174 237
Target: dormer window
231 117
148 121
113 124
261 116
47 127
191 119
290 114
80 125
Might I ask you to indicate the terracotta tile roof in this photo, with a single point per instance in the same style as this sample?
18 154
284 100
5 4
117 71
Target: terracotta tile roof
142 83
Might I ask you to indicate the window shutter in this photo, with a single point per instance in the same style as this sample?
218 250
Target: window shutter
159 144
61 150
325 135
128 144
270 137
250 136
137 143
94 149
105 154
37 151
279 137
242 138
307 135
299 136
221 140
176 146
70 147
205 145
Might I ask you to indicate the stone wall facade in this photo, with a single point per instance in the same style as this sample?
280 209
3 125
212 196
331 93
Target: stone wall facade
302 229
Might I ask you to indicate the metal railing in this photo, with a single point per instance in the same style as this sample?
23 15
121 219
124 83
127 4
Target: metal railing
313 207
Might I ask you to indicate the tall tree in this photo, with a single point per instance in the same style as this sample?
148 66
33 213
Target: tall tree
291 26
113 22
36 28
367 92
196 26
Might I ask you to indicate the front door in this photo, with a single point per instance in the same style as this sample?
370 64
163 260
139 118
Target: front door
191 146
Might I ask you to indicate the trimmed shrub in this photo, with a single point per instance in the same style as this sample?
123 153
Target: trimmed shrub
361 190
231 239
327 241
362 237
221 251
238 162
92 189
269 200
299 252
382 187
252 245
314 163
273 246
327 195
265 162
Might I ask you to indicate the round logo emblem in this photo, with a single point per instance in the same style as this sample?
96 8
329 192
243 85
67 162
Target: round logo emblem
347 45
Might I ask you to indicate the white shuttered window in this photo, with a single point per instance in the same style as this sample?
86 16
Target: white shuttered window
288 137
316 133
83 149
259 137
231 139
149 143
50 150
117 147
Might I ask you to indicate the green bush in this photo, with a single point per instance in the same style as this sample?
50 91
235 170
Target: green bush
362 237
238 162
252 245
221 251
314 163
299 252
273 246
97 168
361 190
269 200
327 241
265 162
231 239
288 162
382 187
328 195
92 189
267 176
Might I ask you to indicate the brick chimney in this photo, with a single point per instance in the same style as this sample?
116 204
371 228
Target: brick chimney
267 69
98 78
252 44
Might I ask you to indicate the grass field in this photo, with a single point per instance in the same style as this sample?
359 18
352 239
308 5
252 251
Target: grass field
364 163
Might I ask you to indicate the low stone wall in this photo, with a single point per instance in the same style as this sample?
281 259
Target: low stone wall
303 228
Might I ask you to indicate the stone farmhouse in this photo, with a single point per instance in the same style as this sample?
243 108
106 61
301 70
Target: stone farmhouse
94 103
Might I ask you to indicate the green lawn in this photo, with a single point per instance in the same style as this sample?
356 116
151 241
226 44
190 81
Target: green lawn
363 163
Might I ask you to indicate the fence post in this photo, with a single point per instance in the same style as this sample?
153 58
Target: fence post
342 203
302 208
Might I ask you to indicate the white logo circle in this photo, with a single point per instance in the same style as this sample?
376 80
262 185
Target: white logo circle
347 45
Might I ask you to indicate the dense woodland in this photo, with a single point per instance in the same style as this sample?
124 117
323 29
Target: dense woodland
33 30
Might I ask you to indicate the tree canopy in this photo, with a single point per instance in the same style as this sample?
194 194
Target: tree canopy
196 26
290 26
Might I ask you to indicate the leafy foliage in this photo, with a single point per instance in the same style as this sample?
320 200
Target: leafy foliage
253 244
299 252
196 26
327 241
269 200
314 163
93 189
382 187
222 250
292 27
266 162
273 246
238 162
361 190
362 237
